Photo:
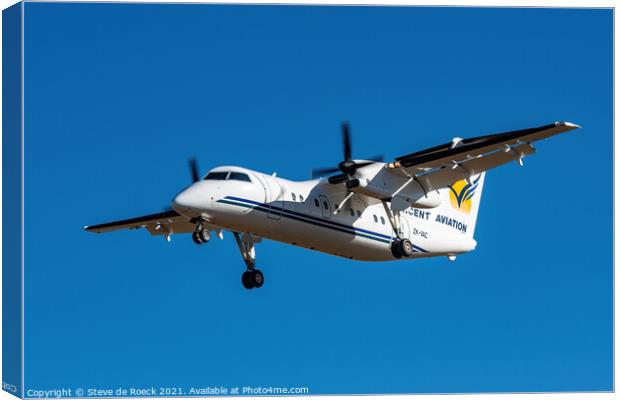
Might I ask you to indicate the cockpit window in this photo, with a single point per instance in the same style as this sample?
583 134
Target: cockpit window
217 176
238 176
226 175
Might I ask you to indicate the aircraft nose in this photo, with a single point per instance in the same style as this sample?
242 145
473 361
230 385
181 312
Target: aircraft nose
187 202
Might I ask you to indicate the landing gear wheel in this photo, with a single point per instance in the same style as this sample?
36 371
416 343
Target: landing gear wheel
196 238
246 280
395 248
257 278
401 248
252 279
406 248
205 236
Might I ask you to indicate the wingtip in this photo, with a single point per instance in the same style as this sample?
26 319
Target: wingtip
567 124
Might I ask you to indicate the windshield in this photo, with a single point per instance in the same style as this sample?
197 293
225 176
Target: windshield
218 176
227 175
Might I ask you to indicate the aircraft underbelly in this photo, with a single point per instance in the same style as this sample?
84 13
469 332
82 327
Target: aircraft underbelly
314 233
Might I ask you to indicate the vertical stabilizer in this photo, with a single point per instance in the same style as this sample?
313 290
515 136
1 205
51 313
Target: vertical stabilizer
461 202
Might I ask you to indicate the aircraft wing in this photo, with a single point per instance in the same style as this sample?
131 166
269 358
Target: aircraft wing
440 166
162 223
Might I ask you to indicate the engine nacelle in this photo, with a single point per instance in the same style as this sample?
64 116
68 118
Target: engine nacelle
401 191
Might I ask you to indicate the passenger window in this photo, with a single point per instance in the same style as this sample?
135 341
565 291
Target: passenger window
352 212
301 198
238 176
325 205
382 221
359 213
374 217
216 176
316 202
293 196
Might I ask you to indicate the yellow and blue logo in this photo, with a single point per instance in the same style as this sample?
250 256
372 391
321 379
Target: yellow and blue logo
461 193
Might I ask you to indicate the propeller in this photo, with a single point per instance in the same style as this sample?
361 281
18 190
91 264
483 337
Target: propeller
346 166
193 168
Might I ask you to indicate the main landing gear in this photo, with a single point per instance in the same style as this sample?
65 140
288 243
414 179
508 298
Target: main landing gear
400 247
252 277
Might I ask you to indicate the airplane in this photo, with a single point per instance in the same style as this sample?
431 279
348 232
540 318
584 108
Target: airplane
422 204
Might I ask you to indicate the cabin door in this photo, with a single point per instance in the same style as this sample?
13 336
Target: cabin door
275 198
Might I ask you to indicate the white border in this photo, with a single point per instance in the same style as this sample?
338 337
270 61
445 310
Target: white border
23 227
479 3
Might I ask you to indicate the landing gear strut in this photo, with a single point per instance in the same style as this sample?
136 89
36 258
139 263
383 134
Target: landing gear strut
400 247
252 277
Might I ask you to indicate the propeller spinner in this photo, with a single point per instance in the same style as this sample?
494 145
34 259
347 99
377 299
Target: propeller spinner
348 166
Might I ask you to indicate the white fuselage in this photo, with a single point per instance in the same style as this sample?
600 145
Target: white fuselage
303 214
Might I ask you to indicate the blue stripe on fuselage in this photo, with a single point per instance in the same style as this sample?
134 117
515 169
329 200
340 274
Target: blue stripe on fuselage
322 220
265 210
237 201
310 217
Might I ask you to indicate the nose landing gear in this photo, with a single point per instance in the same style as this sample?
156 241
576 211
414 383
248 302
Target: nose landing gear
201 233
252 277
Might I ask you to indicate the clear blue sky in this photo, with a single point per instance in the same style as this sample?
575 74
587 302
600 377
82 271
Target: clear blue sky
118 97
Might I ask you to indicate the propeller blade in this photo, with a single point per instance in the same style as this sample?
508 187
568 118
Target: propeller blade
323 171
346 141
193 167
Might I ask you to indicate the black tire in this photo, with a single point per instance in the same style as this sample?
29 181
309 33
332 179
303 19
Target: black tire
246 280
257 278
396 249
406 248
196 238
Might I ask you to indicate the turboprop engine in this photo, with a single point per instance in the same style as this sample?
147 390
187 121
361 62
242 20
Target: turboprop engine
376 181
372 178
